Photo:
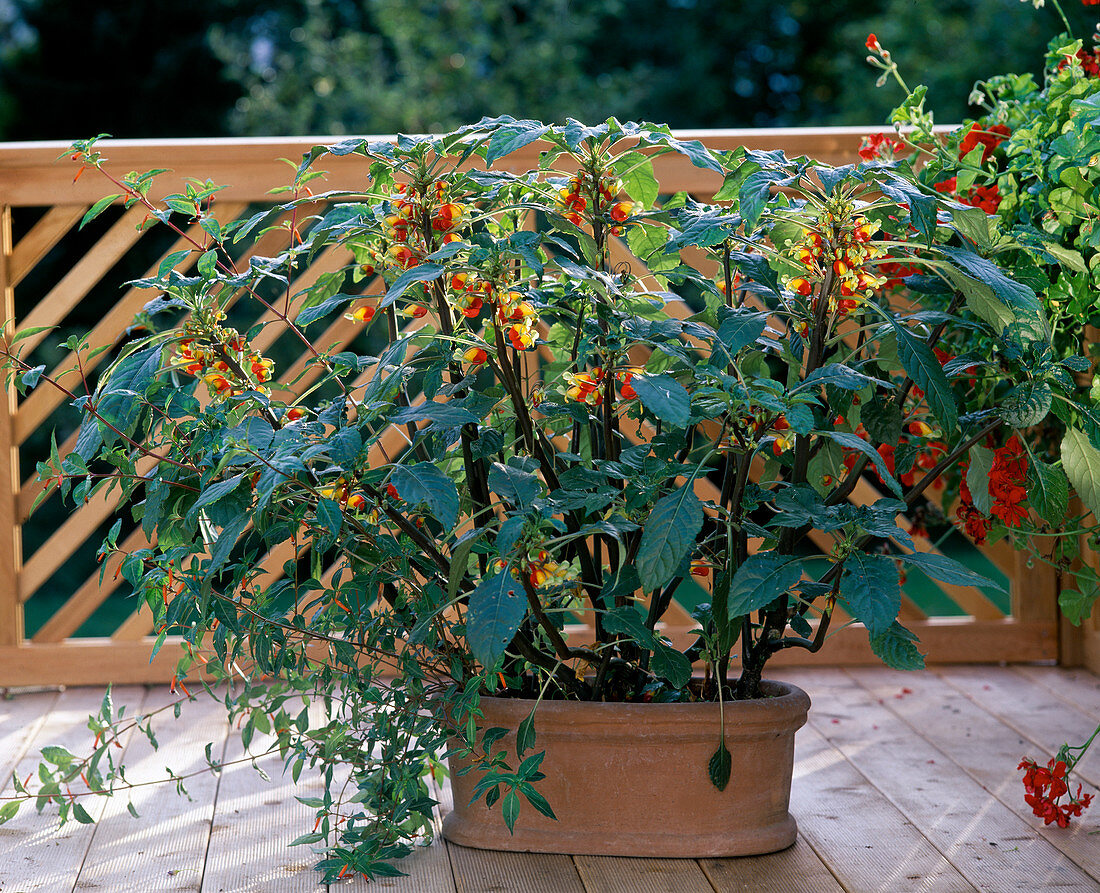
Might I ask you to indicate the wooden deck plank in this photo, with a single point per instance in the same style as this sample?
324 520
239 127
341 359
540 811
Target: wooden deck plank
165 849
488 871
845 819
38 855
968 825
614 874
1080 688
1031 710
254 820
794 870
983 747
21 716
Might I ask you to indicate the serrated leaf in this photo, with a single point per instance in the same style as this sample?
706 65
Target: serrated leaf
897 648
427 483
720 766
665 397
763 578
1048 492
1081 462
1026 404
871 588
496 611
668 536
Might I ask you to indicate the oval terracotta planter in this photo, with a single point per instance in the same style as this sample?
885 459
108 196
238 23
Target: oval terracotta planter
632 780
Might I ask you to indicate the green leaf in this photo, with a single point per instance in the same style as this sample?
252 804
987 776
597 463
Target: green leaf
507 138
896 647
509 807
497 608
854 442
525 735
1081 462
1026 404
98 208
1077 604
882 419
514 485
871 588
81 814
740 329
460 560
428 483
420 273
668 537
977 478
764 577
671 665
1048 492
665 397
920 363
639 181
59 756
720 766
8 810
941 567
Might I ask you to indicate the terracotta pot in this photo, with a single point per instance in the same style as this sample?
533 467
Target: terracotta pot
632 779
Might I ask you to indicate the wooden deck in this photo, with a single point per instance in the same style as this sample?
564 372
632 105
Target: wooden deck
903 782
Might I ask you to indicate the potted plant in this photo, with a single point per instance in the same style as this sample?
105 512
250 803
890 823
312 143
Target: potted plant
524 435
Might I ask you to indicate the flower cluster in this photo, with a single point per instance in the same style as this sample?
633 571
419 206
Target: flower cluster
519 320
1045 786
988 138
1007 479
605 202
841 246
411 213
988 198
880 147
223 359
1007 489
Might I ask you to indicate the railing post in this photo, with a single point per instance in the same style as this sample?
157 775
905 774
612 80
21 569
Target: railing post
11 540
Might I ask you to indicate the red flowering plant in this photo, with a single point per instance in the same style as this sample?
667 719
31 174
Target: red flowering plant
1026 168
527 433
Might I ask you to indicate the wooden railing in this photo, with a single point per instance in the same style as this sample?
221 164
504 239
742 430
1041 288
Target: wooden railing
52 274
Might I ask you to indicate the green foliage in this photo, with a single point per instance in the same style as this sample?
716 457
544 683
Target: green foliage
441 503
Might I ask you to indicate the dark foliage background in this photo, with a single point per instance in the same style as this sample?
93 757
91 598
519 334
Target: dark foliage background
234 67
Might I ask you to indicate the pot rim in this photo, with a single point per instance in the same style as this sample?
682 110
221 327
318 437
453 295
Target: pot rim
787 707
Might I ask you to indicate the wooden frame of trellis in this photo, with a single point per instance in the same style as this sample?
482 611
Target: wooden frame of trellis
31 177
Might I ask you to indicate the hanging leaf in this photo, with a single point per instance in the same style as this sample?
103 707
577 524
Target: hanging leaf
897 648
720 766
665 397
921 365
872 591
1048 491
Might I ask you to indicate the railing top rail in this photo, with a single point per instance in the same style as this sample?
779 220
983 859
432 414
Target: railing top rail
37 173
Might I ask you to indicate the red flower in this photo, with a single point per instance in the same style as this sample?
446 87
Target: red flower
880 145
1044 786
988 139
872 43
947 187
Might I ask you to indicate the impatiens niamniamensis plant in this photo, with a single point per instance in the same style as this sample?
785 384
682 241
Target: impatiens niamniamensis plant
523 433
1027 163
